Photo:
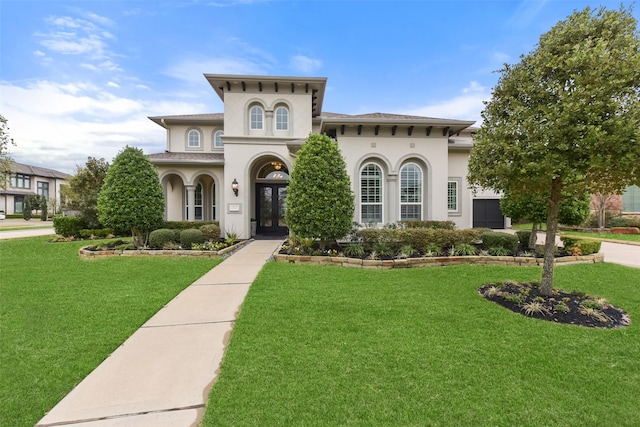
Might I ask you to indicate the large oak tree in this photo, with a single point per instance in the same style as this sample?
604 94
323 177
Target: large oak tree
566 117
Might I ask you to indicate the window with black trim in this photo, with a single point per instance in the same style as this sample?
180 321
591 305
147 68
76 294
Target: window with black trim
20 180
43 189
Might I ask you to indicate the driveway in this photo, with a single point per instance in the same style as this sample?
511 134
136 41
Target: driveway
35 228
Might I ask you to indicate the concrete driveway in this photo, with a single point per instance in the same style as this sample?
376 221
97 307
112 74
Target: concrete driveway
32 228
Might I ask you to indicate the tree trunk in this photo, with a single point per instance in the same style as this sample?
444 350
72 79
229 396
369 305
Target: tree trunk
546 287
138 240
533 238
601 211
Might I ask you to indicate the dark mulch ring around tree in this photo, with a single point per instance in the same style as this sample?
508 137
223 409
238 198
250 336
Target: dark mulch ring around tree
574 308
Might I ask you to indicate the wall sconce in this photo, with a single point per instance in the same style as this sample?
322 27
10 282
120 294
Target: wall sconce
234 187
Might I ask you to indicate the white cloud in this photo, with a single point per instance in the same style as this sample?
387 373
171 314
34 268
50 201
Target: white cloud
304 64
113 84
466 106
60 125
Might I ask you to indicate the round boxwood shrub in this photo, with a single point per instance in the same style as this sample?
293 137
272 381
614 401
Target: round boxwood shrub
210 231
158 238
190 236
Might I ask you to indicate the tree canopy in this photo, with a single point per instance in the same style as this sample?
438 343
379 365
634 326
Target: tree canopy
566 117
5 142
84 187
320 202
131 197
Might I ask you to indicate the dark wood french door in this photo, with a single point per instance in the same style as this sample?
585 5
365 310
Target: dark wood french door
270 209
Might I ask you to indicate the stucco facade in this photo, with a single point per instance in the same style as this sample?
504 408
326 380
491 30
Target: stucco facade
401 167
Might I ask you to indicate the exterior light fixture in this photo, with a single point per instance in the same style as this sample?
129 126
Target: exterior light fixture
234 187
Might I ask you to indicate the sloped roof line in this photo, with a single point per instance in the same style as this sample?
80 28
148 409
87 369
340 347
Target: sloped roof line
38 171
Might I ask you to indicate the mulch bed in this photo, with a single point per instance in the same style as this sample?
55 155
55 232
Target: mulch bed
573 308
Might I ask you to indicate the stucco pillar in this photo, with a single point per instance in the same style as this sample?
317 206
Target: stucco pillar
392 205
191 202
268 115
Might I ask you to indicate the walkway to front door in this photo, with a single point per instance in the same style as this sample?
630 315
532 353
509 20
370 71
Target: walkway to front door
270 208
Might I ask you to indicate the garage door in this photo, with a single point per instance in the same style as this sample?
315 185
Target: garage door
487 213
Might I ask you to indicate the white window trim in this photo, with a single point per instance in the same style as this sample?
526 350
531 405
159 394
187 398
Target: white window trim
458 182
215 139
193 147
251 118
286 110
382 189
421 203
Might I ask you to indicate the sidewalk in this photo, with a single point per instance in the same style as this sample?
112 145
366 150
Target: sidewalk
161 376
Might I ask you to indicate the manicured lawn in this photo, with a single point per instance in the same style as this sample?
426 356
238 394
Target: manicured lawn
329 346
60 316
608 236
527 226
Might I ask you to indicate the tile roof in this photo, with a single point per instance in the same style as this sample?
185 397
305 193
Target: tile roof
386 117
168 157
38 171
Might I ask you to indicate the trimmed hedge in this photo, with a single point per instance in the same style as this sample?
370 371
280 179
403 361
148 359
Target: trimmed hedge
68 226
621 221
186 225
496 239
523 237
160 237
585 246
417 238
210 231
444 225
191 236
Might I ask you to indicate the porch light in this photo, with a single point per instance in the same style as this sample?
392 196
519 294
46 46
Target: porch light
234 187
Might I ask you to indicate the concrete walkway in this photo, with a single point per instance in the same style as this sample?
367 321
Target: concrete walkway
161 376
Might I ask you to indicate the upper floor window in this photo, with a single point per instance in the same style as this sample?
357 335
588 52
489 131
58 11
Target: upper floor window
371 194
257 117
20 180
282 118
411 192
43 189
217 137
193 139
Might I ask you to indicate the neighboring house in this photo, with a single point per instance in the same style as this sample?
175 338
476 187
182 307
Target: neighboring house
233 167
27 179
631 200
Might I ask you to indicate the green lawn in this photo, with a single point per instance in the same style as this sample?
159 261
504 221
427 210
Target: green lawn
608 236
330 346
60 316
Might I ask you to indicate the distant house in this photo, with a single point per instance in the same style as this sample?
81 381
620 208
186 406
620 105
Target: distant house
631 200
234 167
27 179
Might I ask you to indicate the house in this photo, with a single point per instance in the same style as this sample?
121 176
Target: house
233 167
27 179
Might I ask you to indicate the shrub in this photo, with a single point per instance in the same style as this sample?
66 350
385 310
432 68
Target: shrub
187 237
43 210
395 239
444 225
583 246
210 231
465 249
159 238
494 239
621 221
523 237
185 225
100 233
354 250
68 226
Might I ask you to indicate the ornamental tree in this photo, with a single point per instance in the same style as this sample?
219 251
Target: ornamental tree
566 117
320 202
574 210
131 197
5 143
84 187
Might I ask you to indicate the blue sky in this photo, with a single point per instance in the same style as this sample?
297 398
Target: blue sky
80 78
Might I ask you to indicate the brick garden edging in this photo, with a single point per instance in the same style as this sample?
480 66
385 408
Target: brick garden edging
432 261
83 252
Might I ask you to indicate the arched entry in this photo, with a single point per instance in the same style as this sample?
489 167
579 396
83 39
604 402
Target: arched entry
271 195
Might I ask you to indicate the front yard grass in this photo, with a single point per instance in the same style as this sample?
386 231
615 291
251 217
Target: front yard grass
608 236
329 346
60 316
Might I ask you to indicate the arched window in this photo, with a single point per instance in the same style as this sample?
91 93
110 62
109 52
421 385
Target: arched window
282 118
256 119
217 137
411 192
193 139
371 194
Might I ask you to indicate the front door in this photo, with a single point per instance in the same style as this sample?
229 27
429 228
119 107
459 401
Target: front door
270 209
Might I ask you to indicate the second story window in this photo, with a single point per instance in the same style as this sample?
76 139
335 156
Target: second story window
218 139
193 139
43 189
256 118
20 180
282 118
